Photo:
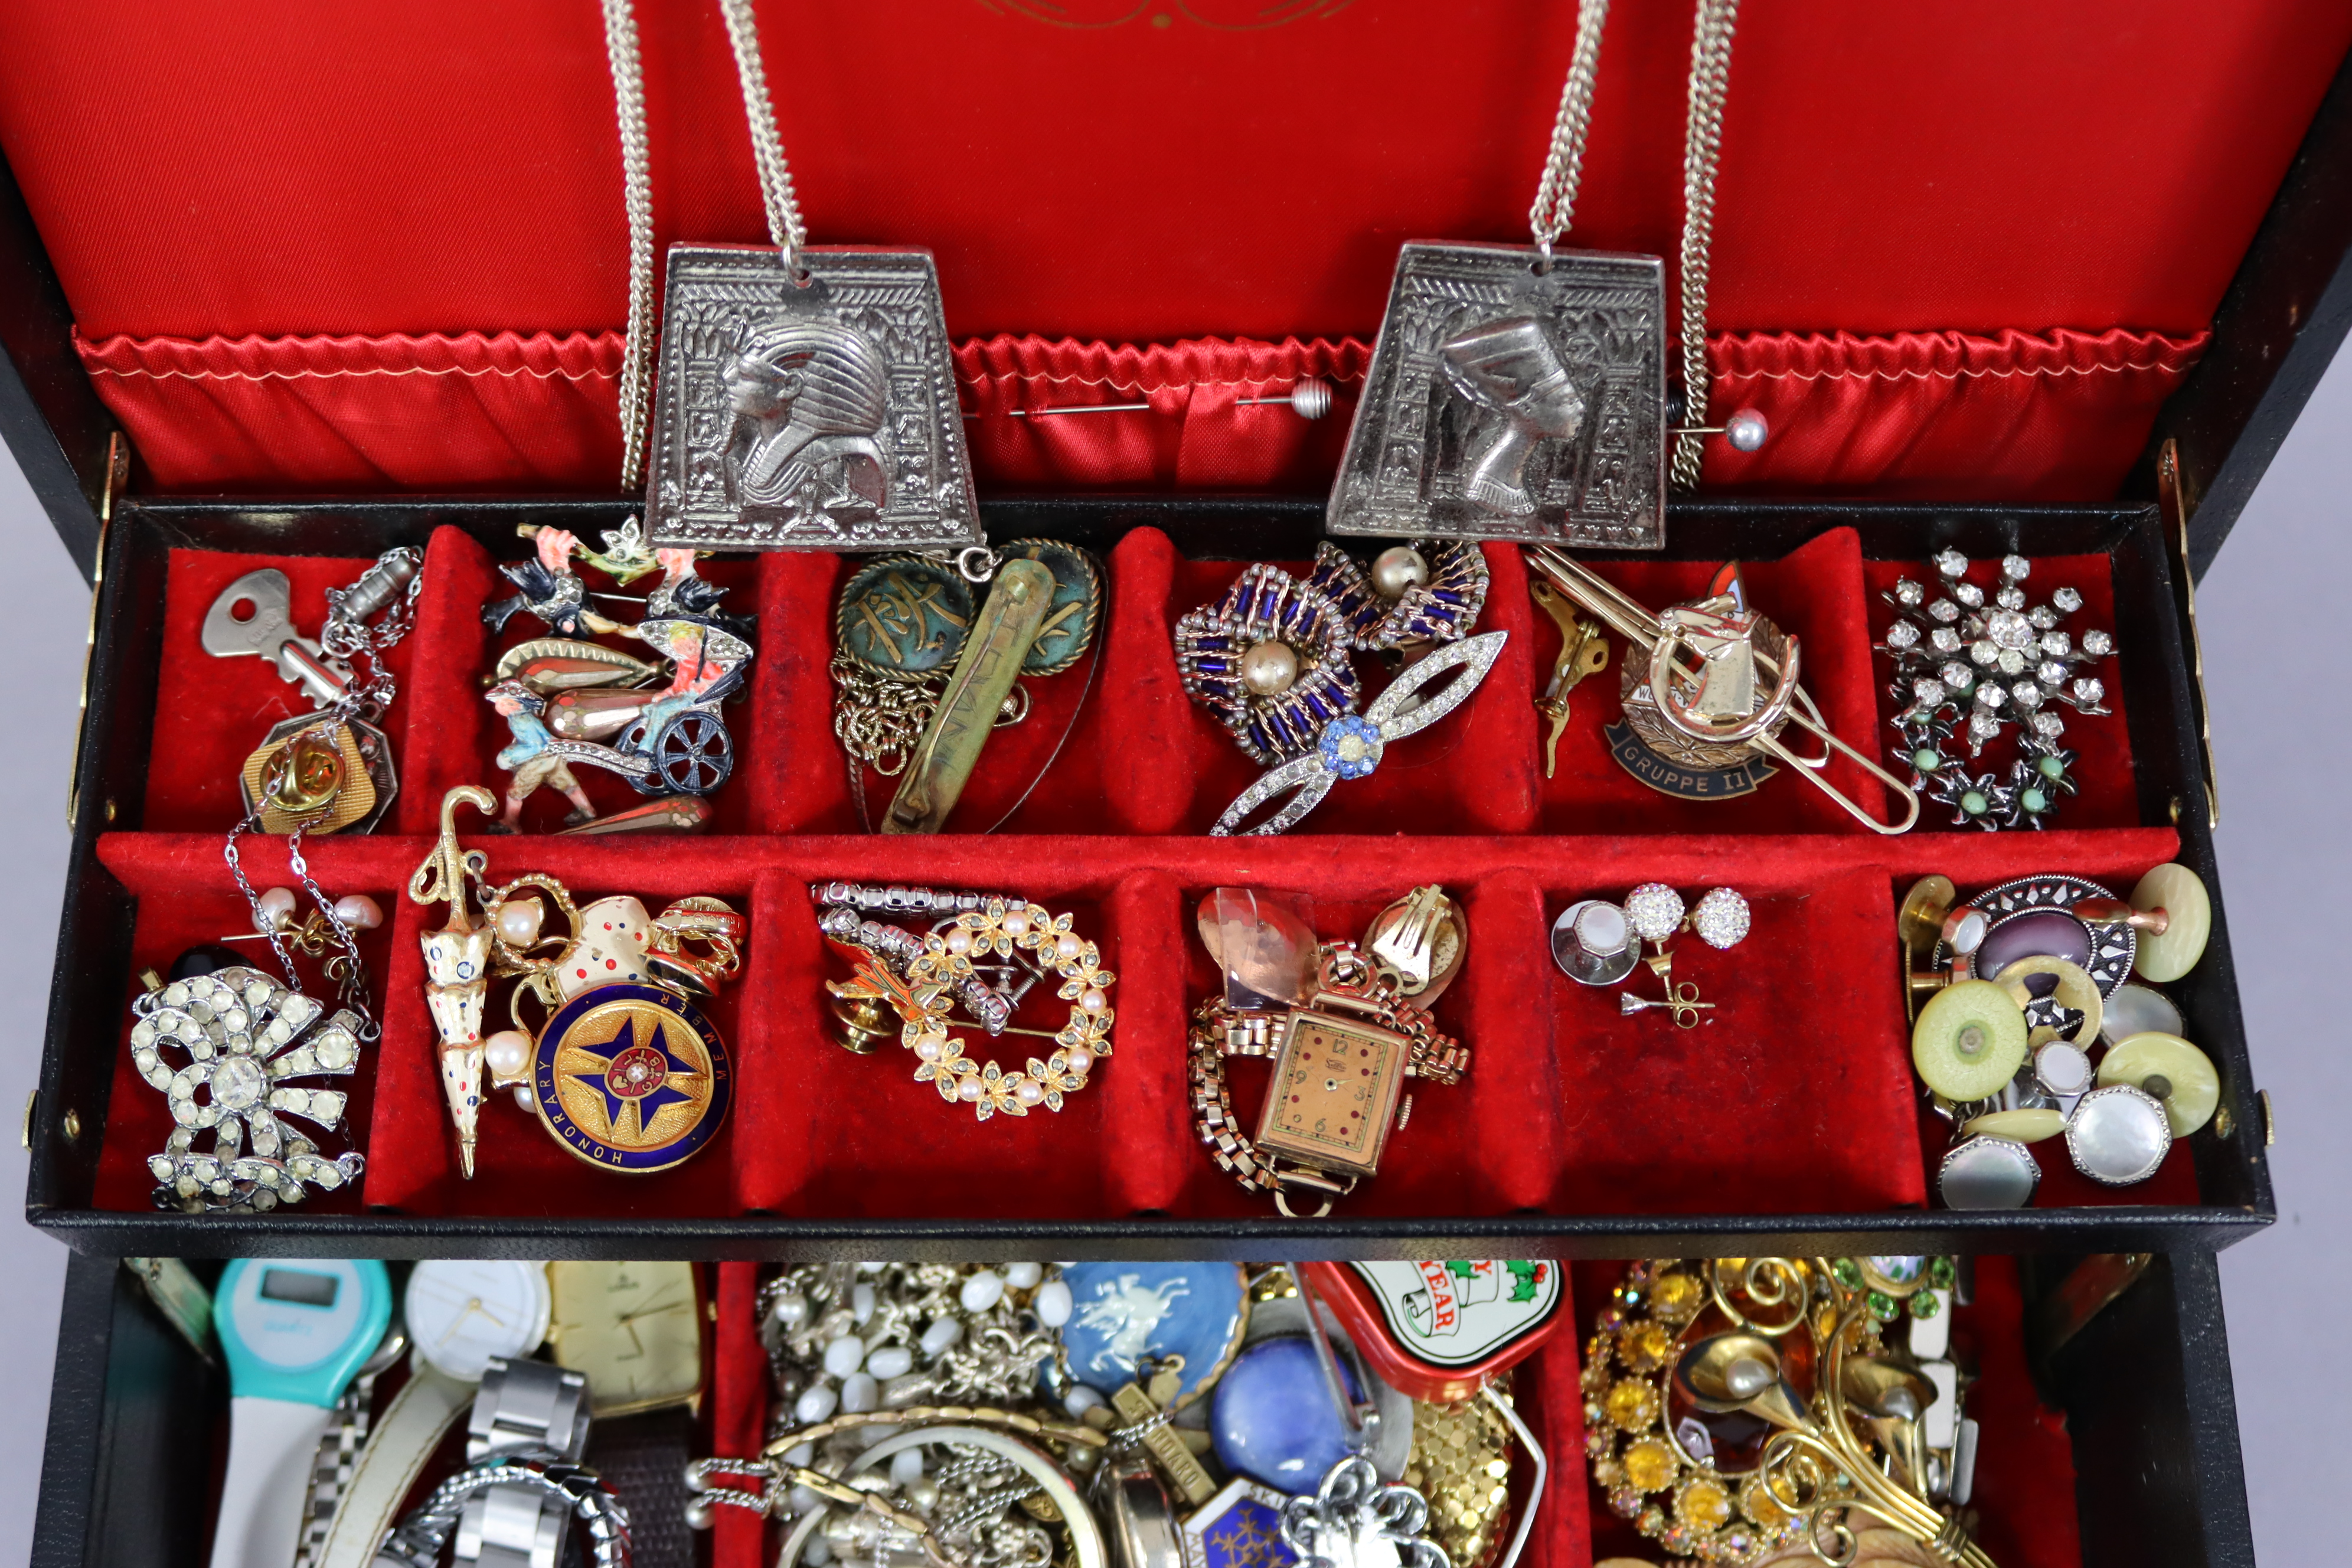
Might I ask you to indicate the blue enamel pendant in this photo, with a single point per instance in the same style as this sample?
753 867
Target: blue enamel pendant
1241 1527
1125 1313
631 1078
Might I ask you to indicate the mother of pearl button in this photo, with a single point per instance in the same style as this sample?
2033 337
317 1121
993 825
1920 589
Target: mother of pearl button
2134 1010
2173 951
2154 1062
1988 1174
1970 1041
2118 1135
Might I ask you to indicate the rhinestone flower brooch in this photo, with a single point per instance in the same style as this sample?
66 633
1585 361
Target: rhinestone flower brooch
1969 667
1275 661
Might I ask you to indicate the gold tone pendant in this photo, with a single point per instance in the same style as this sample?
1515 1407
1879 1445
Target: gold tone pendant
316 777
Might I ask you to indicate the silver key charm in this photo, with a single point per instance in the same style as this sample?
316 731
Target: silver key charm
266 632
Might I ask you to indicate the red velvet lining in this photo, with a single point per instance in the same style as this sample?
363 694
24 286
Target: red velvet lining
1141 173
1794 1095
738 1405
2058 416
2024 1495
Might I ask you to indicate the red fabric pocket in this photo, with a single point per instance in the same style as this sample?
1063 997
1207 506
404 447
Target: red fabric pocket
435 413
2057 415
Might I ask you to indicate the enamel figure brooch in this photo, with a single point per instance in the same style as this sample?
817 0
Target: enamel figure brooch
657 722
626 1073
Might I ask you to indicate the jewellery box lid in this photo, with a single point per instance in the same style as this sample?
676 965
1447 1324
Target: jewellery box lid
1439 1329
1957 254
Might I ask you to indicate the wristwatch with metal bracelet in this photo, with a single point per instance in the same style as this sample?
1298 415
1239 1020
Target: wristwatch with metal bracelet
524 1484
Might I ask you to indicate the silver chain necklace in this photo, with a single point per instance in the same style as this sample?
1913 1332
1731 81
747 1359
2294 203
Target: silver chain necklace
638 198
1702 142
1547 220
803 395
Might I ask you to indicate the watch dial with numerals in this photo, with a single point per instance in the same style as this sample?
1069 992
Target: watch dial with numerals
635 1328
462 1312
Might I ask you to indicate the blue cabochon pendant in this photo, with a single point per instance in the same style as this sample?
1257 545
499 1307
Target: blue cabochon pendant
1512 400
632 1078
816 414
1124 1314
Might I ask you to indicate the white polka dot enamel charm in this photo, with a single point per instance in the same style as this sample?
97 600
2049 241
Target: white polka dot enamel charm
628 1073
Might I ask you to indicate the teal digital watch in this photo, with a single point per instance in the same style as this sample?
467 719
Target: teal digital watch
295 1335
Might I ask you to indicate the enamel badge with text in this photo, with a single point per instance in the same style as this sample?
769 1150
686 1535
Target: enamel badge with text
1510 400
632 1078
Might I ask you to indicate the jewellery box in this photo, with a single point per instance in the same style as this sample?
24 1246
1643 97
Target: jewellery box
2022 304
291 287
2066 353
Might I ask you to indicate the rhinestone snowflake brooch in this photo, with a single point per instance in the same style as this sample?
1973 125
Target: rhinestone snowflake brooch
245 1039
1972 665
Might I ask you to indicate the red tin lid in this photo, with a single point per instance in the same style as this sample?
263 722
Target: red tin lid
1438 1330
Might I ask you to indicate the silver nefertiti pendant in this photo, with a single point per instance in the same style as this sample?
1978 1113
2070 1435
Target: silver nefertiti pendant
1508 402
819 415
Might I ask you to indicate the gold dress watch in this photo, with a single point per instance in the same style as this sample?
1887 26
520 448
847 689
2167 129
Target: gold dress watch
635 1328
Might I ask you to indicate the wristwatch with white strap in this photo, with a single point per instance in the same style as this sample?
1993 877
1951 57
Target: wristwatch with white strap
463 1316
295 1335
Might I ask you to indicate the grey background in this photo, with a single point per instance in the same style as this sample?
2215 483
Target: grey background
2285 834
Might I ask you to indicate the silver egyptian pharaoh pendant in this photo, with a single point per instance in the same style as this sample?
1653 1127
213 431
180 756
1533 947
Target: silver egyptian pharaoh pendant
1514 396
817 413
